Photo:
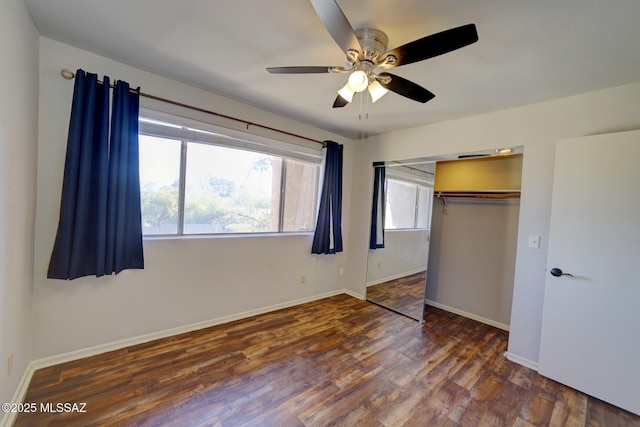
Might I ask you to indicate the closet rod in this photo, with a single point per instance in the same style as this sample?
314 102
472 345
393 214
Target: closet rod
479 194
69 75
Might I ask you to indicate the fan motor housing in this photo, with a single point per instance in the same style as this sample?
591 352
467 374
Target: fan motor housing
373 42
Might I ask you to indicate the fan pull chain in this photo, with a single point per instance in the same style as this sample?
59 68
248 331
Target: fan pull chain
365 115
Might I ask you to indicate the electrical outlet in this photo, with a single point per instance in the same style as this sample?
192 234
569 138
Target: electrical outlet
303 279
341 271
10 364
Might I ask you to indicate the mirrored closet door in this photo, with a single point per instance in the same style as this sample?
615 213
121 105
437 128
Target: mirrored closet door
408 217
396 265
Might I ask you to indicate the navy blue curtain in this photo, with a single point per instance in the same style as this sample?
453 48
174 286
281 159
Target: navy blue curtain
376 239
328 235
99 230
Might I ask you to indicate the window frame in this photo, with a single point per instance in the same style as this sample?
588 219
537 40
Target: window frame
184 130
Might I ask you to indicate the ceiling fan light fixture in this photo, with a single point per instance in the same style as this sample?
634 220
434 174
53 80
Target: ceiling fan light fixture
376 90
347 92
358 81
366 50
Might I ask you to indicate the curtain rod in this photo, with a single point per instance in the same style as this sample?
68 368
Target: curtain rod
69 75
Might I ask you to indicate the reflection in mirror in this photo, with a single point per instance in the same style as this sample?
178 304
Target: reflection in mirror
396 270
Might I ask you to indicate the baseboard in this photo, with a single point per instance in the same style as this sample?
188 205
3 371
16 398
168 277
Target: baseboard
18 396
353 294
117 345
394 277
521 361
463 313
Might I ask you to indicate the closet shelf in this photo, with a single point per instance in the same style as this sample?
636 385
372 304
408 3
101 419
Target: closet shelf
489 194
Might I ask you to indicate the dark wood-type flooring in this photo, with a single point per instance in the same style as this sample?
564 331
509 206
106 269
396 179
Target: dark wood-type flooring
336 361
405 294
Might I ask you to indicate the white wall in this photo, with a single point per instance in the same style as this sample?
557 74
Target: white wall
537 127
405 252
185 281
18 138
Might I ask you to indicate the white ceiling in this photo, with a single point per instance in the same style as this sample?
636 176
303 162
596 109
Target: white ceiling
528 51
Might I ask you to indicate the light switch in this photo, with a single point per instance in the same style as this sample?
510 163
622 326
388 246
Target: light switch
534 241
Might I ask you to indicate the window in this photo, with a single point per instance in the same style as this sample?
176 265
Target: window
197 179
159 184
408 204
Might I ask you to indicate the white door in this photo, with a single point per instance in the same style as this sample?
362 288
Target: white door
591 321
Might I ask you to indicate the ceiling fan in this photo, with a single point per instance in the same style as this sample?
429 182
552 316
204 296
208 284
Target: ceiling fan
366 51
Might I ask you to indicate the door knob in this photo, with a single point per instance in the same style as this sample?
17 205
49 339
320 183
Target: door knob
556 272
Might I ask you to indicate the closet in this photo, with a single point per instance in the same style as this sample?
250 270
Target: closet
474 231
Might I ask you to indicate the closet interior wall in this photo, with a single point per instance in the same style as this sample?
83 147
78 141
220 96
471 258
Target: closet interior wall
472 258
473 242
